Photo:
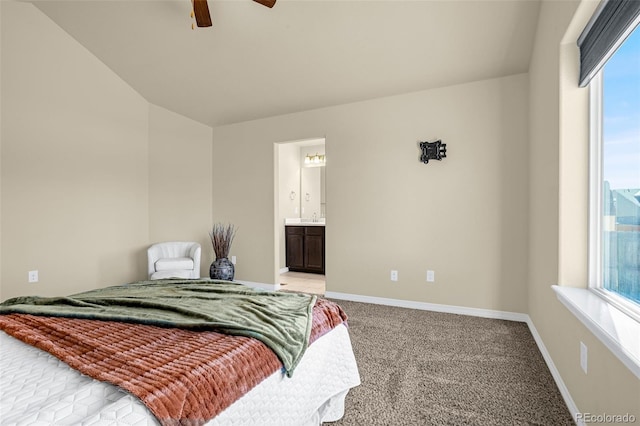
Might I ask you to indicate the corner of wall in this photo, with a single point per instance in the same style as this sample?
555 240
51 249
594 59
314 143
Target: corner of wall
180 174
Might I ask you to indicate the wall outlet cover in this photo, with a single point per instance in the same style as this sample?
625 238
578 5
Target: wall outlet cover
583 357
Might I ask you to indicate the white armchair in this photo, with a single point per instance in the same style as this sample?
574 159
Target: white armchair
174 260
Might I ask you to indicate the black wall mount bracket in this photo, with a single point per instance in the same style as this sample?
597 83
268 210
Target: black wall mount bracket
433 151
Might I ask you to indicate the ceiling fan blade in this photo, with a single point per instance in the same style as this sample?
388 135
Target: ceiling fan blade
201 11
268 3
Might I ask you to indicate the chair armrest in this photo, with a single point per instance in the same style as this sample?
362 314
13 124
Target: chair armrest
153 254
195 253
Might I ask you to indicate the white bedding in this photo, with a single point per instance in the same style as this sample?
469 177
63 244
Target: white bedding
38 389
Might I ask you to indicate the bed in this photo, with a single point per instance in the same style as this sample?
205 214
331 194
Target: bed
38 388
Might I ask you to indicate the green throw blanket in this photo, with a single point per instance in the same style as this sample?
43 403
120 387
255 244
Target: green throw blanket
282 321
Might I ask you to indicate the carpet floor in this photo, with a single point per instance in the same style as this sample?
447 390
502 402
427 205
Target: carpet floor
429 368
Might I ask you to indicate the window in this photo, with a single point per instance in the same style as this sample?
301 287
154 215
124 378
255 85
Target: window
615 176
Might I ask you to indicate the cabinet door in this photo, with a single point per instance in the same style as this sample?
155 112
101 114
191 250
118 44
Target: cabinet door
314 249
295 248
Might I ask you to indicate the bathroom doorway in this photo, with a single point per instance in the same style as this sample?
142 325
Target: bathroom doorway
301 208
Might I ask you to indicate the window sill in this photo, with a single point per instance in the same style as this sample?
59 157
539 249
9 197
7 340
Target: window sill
618 331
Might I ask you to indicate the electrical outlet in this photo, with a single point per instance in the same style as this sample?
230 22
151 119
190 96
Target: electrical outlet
33 276
233 260
431 276
394 275
583 357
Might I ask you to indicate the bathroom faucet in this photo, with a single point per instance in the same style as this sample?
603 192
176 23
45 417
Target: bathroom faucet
315 218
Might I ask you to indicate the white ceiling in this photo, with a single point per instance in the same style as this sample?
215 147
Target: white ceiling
257 62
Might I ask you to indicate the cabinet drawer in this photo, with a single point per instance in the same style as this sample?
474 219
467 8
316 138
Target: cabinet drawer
295 230
314 230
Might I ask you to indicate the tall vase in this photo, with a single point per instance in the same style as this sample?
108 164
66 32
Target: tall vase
222 269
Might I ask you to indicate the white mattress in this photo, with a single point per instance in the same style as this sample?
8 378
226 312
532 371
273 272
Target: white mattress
38 389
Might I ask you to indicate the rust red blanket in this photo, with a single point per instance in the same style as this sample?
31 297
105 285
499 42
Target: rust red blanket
184 377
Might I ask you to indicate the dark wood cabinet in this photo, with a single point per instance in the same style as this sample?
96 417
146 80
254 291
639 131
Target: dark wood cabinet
305 248
295 247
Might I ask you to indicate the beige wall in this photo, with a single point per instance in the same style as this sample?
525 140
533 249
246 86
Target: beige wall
78 149
464 217
74 162
180 181
558 205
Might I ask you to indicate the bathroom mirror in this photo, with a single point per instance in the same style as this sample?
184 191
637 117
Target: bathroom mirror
312 192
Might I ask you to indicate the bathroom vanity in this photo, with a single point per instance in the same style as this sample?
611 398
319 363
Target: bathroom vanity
305 247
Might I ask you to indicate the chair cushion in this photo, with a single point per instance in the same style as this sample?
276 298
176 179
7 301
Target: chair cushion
161 275
174 263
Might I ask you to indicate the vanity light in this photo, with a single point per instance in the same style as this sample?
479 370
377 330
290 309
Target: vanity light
315 160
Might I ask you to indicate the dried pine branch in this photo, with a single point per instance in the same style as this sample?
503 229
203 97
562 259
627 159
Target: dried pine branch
221 239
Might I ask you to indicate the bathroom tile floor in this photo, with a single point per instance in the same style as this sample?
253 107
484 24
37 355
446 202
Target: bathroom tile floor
302 282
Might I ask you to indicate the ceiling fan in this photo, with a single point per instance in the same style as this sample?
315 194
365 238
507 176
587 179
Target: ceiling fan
203 17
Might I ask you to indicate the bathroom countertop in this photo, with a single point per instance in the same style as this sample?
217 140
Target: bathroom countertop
304 222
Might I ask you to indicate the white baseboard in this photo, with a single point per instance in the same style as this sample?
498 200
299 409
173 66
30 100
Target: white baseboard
484 313
568 400
284 270
460 310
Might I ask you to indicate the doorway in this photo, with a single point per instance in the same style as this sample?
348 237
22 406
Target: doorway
300 202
